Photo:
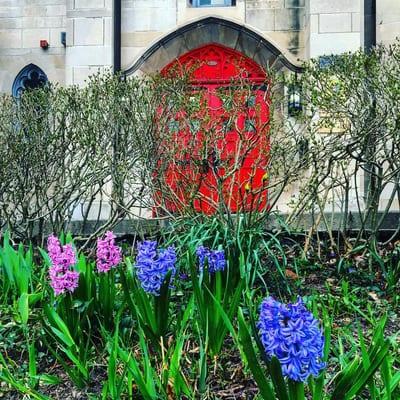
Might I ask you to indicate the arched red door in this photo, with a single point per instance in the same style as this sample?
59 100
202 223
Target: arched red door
222 151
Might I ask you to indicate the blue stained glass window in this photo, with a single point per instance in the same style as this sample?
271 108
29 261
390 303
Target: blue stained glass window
30 77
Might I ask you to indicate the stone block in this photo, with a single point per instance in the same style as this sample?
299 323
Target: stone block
148 19
156 62
333 43
139 39
355 22
340 22
10 23
82 74
201 35
387 11
56 10
129 55
10 12
88 55
289 19
262 4
332 6
70 32
186 13
295 3
289 41
175 48
88 31
314 23
89 3
31 37
147 3
55 37
42 22
6 80
32 11
69 75
228 36
263 20
11 3
45 11
43 2
247 45
89 13
387 33
108 33
11 38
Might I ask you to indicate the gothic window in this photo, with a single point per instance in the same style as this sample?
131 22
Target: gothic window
212 3
30 77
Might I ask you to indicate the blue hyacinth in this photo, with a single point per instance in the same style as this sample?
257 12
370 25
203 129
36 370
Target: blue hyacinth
215 258
152 266
293 336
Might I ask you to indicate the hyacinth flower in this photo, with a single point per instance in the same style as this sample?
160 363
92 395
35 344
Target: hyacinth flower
108 257
216 293
147 288
295 350
108 254
292 335
62 278
215 259
152 266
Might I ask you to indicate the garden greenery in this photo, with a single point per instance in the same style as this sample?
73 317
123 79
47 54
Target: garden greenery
234 302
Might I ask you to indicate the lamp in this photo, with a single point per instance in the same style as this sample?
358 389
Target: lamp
294 98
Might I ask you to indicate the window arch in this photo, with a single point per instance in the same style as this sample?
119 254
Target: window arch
30 77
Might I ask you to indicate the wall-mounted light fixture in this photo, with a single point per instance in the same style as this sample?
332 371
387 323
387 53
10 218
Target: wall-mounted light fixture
294 98
63 38
44 44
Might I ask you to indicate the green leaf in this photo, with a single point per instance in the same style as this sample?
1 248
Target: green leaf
23 307
296 390
258 375
278 379
359 384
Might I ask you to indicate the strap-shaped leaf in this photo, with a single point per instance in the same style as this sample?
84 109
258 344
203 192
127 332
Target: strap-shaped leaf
258 374
278 380
363 379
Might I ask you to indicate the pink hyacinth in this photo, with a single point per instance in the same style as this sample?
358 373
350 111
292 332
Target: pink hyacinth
108 254
62 278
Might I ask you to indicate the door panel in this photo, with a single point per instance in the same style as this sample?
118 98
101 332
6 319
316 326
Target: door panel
221 156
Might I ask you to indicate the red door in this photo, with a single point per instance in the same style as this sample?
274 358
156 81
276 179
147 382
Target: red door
221 149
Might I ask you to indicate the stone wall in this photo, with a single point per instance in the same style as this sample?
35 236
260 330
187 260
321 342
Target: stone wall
333 26
387 21
89 38
144 22
282 21
23 23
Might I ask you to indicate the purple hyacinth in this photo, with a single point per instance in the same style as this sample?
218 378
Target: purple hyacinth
215 258
62 278
152 265
108 254
292 334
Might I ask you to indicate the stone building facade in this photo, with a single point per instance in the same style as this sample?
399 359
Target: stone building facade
80 33
65 41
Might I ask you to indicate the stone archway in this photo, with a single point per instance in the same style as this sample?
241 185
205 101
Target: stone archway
212 30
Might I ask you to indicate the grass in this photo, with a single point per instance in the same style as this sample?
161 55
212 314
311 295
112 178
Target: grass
64 347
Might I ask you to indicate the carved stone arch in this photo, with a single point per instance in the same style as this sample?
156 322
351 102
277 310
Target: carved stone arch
238 37
30 77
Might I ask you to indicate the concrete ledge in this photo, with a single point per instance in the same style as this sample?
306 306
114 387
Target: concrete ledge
153 226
